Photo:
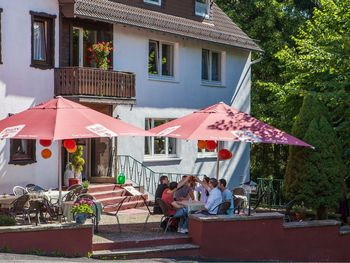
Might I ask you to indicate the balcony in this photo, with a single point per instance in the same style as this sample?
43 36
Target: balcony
95 83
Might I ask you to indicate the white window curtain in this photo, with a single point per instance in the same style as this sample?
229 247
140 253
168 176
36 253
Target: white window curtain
39 41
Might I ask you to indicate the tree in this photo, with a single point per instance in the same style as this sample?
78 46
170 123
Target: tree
273 23
318 61
315 177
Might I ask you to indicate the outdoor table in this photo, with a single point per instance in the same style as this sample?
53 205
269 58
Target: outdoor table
54 194
193 206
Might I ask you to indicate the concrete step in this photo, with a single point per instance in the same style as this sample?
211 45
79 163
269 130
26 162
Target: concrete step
148 252
126 205
93 188
108 194
141 243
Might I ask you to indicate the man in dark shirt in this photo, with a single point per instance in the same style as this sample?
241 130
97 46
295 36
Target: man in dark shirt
163 184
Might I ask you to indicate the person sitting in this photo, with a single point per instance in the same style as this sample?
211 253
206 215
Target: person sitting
226 196
163 184
176 208
203 189
214 198
185 192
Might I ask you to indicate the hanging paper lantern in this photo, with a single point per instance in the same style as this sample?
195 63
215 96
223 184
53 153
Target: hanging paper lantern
46 153
45 143
210 145
201 145
225 154
69 144
72 150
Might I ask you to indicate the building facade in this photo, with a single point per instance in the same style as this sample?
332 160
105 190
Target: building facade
170 58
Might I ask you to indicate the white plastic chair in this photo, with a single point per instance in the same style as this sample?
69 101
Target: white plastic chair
19 190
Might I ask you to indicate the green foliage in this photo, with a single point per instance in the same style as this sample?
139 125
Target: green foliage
315 177
84 206
6 220
85 184
100 53
77 161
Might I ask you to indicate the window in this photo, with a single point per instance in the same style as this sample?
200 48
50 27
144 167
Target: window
202 8
159 146
22 151
0 37
154 2
160 59
43 40
211 65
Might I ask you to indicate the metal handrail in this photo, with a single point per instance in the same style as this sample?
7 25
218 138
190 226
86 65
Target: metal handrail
142 175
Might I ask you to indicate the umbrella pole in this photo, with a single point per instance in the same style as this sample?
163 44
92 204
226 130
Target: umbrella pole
217 161
59 180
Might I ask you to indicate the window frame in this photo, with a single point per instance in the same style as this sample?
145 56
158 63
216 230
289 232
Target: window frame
159 53
152 155
25 159
210 67
1 10
49 20
158 3
207 15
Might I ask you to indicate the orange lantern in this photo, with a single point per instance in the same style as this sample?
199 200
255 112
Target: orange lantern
69 144
72 150
46 153
201 145
210 145
224 154
45 143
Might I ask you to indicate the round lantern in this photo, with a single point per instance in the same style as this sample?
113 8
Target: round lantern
211 145
225 154
45 143
46 153
69 144
72 150
201 145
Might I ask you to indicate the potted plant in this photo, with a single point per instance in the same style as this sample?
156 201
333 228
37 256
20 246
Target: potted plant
76 165
300 212
100 53
81 210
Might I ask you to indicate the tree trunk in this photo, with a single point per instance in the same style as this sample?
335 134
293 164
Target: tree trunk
321 212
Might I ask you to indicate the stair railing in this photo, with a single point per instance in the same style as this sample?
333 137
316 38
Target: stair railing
142 175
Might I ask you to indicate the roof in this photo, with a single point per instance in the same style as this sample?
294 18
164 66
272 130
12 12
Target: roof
221 29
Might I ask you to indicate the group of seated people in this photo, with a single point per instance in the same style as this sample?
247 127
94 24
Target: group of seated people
212 193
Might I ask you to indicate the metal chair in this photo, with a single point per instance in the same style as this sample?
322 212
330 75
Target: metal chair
118 205
74 192
34 188
19 190
93 217
166 215
239 203
19 206
223 207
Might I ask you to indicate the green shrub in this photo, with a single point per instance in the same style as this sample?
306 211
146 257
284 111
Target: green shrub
6 220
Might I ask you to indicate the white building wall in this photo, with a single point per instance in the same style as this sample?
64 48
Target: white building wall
172 99
22 86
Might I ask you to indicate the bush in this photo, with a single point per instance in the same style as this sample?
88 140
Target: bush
6 220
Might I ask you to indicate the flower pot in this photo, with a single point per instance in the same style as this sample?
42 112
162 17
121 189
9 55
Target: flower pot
80 218
73 181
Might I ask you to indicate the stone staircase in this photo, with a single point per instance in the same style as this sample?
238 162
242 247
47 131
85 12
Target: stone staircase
148 248
110 195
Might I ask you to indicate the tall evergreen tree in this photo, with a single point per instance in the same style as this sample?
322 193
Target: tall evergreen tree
315 177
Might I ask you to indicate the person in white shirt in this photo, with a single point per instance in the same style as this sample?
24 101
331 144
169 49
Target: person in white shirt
203 189
215 197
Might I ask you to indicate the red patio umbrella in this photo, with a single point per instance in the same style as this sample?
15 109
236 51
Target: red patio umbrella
60 119
221 122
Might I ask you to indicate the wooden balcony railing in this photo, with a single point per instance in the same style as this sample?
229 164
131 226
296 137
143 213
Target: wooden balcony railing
94 82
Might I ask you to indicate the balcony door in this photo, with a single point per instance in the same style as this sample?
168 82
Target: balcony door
82 39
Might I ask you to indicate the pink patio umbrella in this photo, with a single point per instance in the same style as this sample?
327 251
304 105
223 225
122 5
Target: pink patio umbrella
60 119
221 122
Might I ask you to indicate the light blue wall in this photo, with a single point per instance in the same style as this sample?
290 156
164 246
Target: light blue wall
182 95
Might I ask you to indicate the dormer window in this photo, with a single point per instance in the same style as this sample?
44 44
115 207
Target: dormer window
153 2
202 8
